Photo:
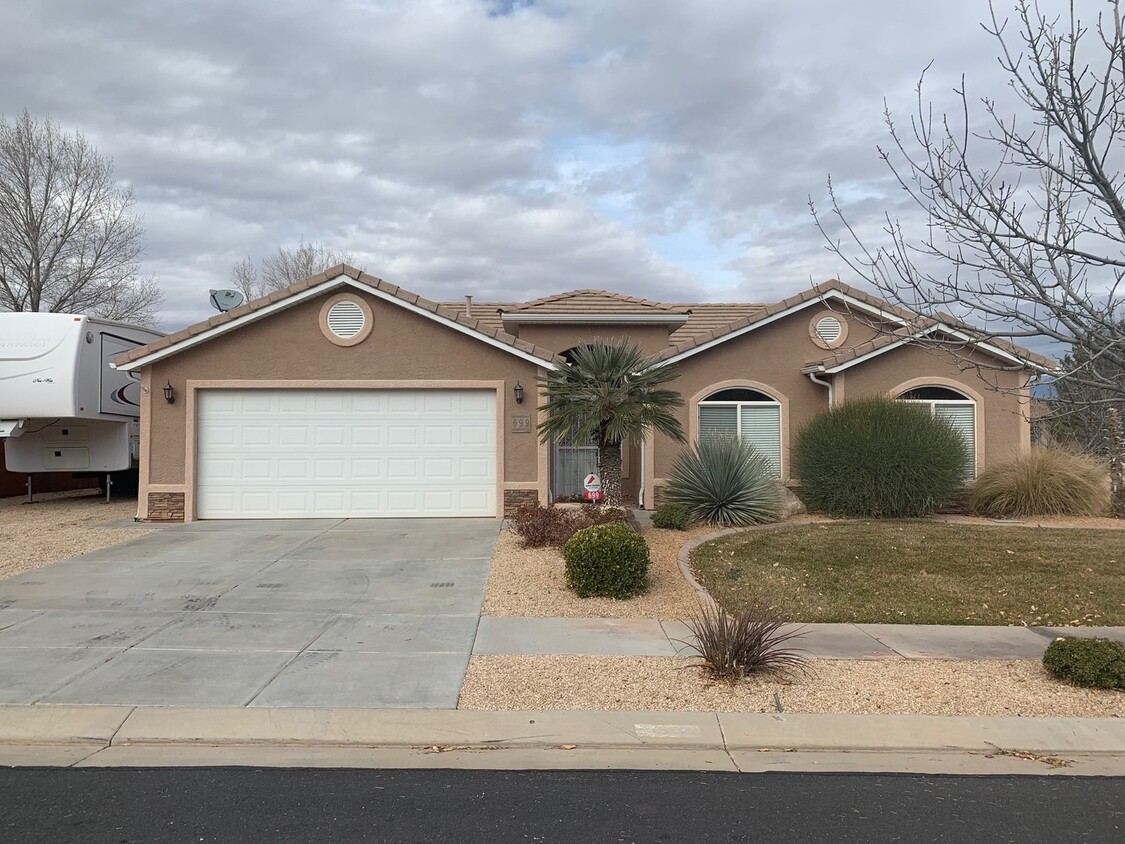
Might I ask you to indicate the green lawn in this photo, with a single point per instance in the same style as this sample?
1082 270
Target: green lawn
922 572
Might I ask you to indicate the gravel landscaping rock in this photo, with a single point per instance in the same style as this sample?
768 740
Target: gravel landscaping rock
918 687
530 582
45 531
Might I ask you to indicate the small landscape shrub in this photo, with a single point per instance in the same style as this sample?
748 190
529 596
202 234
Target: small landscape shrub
749 642
1043 482
879 458
671 517
726 481
538 526
1095 663
607 561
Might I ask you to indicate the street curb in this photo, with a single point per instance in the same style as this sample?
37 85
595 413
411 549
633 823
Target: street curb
109 726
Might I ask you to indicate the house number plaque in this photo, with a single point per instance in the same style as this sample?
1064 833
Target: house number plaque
521 424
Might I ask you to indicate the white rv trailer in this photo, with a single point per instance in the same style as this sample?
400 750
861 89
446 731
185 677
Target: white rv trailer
63 408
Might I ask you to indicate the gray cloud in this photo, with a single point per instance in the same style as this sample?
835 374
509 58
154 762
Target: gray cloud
508 150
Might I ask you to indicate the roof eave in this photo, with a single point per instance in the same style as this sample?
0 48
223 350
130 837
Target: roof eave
519 317
201 332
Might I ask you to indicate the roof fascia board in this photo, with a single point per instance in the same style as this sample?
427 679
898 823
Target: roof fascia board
329 284
945 329
517 317
829 294
223 328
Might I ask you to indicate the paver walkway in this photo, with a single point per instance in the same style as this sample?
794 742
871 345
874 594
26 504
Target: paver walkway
642 637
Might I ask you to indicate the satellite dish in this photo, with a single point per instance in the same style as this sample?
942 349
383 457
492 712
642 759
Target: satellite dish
224 300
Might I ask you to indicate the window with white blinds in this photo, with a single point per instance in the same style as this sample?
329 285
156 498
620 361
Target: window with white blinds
960 412
756 422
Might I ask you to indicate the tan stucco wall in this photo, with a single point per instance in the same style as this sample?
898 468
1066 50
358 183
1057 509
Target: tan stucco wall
767 359
770 359
559 338
290 345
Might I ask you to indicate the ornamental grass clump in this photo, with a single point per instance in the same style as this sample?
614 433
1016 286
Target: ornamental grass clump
1043 482
723 480
607 561
879 458
733 646
1093 663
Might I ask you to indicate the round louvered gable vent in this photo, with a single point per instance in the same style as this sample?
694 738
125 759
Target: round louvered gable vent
346 319
829 329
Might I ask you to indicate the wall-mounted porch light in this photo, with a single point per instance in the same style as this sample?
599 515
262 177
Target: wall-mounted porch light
518 390
169 393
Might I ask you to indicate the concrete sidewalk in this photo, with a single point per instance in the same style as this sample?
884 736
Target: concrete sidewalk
645 637
111 735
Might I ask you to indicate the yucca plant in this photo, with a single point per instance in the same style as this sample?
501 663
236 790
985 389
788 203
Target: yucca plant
750 642
723 480
1043 482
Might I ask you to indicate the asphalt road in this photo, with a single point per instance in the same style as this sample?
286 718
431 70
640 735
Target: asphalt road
255 804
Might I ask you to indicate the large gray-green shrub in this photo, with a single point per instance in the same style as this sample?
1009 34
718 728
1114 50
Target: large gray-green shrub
877 457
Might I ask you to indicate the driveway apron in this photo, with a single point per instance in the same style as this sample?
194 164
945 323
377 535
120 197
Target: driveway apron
311 613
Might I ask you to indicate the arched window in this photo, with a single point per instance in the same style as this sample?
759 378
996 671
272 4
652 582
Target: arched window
957 408
749 414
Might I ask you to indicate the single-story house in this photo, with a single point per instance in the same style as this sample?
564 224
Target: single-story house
347 396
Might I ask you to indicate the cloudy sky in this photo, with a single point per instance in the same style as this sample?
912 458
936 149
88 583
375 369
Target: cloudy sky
505 149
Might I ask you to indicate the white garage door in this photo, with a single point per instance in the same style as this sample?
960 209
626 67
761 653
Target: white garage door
339 453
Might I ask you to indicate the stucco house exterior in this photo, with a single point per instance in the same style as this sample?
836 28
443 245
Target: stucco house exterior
346 396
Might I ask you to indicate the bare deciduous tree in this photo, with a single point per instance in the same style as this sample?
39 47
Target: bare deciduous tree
1026 220
69 240
284 267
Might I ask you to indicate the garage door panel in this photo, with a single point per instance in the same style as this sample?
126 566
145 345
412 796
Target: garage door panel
218 469
400 402
257 436
435 436
341 453
479 470
439 469
475 435
367 435
258 403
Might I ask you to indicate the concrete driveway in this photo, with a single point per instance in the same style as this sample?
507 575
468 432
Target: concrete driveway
328 613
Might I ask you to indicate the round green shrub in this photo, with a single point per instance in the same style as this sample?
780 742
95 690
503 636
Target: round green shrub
606 561
1095 663
879 458
671 517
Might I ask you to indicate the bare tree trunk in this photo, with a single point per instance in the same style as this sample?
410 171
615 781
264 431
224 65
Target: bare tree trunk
1115 446
609 466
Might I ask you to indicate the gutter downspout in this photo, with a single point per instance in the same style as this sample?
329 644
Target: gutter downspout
641 485
816 379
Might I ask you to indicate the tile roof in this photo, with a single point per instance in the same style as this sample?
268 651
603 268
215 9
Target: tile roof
702 317
591 302
706 321
908 334
444 312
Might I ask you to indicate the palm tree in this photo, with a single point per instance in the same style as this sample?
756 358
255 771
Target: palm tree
608 393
